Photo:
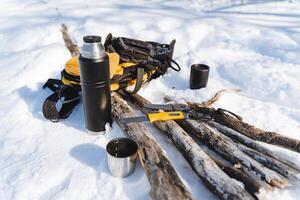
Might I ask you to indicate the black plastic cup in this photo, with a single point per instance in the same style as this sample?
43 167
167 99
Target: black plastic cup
199 76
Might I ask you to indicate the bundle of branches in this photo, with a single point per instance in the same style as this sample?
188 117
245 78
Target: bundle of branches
228 146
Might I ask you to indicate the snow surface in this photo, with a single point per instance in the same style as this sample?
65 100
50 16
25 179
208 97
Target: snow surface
251 45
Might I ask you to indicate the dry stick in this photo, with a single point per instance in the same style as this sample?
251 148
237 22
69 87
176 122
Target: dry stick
71 46
253 186
253 132
228 150
165 182
216 180
217 96
265 160
252 144
271 163
212 100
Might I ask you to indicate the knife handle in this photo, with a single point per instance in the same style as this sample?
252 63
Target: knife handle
163 116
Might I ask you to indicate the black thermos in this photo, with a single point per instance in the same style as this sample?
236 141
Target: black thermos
95 84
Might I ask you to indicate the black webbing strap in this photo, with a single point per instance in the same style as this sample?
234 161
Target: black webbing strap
68 95
70 77
221 110
139 81
177 69
53 84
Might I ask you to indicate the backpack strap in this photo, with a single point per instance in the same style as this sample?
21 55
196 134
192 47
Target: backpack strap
139 81
65 74
68 95
177 68
53 84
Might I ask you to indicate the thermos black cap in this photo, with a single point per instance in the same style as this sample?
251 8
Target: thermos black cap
92 39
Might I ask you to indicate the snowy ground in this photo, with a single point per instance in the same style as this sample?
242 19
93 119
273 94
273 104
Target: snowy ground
254 46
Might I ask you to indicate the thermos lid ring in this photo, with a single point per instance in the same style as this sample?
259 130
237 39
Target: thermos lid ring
92 39
200 67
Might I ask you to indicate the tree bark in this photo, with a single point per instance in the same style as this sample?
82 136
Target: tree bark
229 151
165 182
252 185
71 46
251 143
215 179
253 132
269 162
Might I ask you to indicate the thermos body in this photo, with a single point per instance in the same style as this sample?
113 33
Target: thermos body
95 86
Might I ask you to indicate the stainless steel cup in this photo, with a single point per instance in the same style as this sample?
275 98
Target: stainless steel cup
121 156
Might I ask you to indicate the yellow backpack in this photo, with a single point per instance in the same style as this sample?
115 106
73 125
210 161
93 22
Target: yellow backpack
71 73
132 63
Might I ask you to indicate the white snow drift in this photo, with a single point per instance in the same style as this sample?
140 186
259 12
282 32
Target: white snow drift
254 46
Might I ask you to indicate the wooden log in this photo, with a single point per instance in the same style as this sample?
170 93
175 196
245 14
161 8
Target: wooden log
252 185
253 132
229 150
251 143
164 181
266 186
271 163
215 179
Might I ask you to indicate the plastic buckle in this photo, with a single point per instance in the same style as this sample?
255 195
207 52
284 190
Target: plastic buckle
54 119
162 50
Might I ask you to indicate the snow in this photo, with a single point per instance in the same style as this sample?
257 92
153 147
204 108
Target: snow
254 46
